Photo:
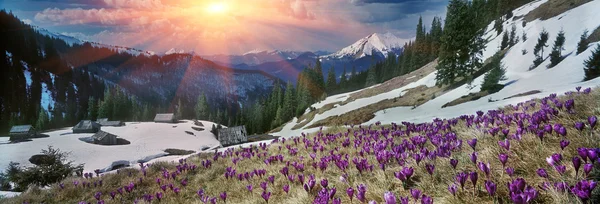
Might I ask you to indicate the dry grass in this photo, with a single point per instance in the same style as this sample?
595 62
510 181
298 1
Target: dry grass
525 156
466 98
523 94
553 8
595 35
306 118
412 98
394 83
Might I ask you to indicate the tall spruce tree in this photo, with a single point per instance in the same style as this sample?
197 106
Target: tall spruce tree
582 45
495 75
289 102
505 41
555 55
92 109
331 81
202 109
43 120
592 65
457 51
371 78
538 50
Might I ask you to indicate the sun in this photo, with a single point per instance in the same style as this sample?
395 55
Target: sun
217 7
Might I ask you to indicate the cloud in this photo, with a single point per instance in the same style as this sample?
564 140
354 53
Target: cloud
258 24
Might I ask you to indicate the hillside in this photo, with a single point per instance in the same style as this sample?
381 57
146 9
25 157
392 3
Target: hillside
378 163
343 108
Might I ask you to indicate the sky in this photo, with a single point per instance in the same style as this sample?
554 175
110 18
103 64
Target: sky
227 26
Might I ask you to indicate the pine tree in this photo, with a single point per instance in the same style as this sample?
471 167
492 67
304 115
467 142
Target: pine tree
71 104
495 75
43 120
592 65
343 81
460 32
498 26
505 41
92 109
106 106
179 113
582 45
202 109
539 47
555 55
331 81
288 103
371 78
513 39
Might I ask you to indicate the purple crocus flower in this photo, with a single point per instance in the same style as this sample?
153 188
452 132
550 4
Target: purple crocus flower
249 187
461 178
224 196
263 185
404 200
583 189
163 187
503 158
426 200
561 169
587 168
473 177
362 189
113 194
452 189
430 168
490 187
271 179
474 157
265 195
184 182
415 193
576 164
286 188
159 196
579 126
505 144
592 120
472 143
542 173
350 193
510 171
564 144
389 198
324 183
176 190
98 195
453 163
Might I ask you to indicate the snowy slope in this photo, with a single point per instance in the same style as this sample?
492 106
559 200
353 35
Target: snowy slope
374 44
148 140
174 51
68 39
567 75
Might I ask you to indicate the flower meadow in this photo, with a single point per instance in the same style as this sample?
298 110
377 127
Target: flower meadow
539 151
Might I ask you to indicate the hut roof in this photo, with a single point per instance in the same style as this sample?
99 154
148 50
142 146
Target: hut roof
86 124
101 120
101 135
110 123
164 117
21 128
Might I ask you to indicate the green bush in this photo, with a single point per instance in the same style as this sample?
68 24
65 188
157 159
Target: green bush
54 169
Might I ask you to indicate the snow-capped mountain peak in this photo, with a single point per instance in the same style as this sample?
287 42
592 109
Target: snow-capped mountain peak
374 44
174 51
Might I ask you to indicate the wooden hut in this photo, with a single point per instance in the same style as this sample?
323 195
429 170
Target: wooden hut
104 138
165 118
111 123
233 135
21 132
86 126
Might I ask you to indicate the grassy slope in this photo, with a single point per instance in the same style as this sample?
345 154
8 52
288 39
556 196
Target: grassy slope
525 156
